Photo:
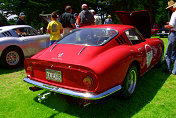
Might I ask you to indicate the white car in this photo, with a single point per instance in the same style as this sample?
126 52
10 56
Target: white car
14 48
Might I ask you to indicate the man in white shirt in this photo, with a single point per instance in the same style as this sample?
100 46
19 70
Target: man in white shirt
97 18
171 42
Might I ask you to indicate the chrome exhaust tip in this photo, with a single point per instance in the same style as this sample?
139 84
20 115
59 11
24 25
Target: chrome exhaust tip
34 88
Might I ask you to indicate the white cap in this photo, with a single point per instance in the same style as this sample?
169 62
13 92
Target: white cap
22 14
92 11
84 5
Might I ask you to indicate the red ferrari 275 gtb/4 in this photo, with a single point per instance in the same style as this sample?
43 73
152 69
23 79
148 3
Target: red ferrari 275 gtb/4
95 61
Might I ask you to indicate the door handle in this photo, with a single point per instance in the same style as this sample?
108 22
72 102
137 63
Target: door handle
140 48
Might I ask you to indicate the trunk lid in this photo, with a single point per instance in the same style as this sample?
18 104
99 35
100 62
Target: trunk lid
69 53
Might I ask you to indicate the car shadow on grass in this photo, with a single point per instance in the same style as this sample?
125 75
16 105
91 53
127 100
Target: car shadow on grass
112 106
8 70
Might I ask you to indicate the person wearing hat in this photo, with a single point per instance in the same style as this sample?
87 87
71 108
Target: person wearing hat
67 20
170 7
171 41
108 20
85 17
20 21
76 17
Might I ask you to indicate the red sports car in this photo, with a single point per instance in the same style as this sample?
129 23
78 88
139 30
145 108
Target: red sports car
95 61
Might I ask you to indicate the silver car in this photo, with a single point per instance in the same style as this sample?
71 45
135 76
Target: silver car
14 48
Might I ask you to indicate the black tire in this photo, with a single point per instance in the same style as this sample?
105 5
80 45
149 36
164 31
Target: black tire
12 58
130 81
161 36
161 61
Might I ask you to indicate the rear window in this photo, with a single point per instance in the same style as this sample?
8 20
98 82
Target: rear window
89 36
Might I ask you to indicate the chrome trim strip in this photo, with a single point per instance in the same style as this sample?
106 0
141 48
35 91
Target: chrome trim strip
53 47
73 93
82 50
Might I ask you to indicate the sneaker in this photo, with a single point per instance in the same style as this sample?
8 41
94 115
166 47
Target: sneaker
173 73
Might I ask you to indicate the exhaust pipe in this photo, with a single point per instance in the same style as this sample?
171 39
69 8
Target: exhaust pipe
34 88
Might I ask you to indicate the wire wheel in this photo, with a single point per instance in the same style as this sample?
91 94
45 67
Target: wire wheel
12 58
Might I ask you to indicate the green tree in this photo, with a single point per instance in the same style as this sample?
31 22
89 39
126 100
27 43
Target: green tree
32 8
3 20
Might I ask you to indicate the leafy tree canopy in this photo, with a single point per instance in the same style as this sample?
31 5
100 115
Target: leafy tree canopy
32 8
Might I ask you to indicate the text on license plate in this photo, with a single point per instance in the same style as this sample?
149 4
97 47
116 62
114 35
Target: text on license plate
53 75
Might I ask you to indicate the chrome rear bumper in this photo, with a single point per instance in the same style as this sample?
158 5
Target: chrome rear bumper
85 95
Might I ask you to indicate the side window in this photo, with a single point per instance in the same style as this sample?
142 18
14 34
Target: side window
26 32
33 32
133 36
30 32
18 30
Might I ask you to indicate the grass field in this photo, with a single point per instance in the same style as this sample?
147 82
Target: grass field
155 97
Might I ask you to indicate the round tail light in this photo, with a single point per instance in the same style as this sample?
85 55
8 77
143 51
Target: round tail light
88 82
29 70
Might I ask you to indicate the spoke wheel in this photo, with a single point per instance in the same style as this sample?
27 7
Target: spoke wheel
12 58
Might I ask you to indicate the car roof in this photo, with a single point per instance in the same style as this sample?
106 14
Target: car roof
10 27
118 27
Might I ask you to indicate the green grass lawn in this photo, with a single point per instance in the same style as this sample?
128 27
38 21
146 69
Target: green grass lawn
155 97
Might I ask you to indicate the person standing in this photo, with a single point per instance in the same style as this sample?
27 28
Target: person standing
171 42
85 17
97 18
54 28
108 20
170 7
170 4
76 17
67 20
20 21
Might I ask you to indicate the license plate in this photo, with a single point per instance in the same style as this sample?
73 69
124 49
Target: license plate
163 31
53 75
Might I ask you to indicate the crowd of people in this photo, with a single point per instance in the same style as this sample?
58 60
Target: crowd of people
68 21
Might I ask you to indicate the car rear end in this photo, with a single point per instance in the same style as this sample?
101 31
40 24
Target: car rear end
63 78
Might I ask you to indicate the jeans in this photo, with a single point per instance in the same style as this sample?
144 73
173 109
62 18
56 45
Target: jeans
171 46
51 42
173 54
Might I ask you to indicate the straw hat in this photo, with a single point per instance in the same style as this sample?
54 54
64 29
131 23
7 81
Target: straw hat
170 4
109 16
